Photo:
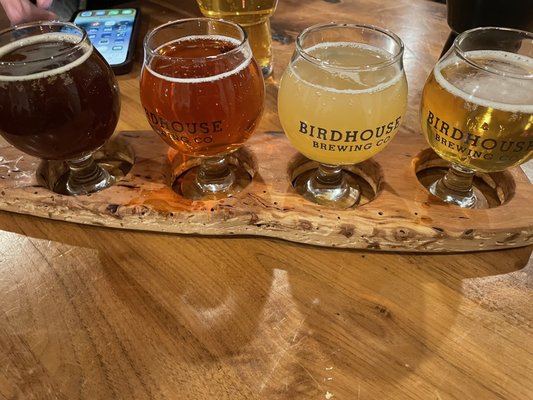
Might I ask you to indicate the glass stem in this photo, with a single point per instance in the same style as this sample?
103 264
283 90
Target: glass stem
329 176
215 175
456 187
86 176
329 185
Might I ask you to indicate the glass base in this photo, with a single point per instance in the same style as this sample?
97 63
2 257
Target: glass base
101 179
80 180
343 194
457 187
476 199
190 186
113 161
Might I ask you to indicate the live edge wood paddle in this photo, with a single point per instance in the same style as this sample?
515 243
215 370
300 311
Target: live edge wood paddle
397 213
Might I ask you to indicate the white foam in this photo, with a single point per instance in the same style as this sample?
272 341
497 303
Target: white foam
498 86
45 38
350 45
239 68
346 73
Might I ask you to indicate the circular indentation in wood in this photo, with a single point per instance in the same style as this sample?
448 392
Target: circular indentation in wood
367 174
242 162
497 187
116 157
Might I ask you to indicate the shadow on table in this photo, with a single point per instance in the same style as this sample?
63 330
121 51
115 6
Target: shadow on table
275 320
373 325
152 312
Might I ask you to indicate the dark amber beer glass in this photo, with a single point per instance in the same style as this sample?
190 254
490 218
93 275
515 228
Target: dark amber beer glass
203 93
59 99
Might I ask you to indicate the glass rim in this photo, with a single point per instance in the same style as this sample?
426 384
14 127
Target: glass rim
463 54
75 45
370 67
154 31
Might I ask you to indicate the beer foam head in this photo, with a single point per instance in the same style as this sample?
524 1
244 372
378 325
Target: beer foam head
245 50
44 38
478 85
347 68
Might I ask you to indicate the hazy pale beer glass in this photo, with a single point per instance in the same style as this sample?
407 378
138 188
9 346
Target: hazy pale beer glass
59 100
341 101
254 17
203 93
477 109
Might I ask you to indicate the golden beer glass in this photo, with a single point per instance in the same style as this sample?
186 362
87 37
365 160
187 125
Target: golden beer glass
477 109
254 17
341 101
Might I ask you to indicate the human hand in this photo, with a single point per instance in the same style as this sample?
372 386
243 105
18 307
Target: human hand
23 11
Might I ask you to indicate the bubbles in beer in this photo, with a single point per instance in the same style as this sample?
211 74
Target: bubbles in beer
347 67
477 111
59 97
362 100
485 87
194 43
202 94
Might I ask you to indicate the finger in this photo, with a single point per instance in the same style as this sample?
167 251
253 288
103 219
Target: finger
44 3
22 11
38 14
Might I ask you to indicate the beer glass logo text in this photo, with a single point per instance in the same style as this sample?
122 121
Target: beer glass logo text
349 140
474 145
177 131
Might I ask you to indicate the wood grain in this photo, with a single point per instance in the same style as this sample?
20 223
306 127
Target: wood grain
88 312
401 215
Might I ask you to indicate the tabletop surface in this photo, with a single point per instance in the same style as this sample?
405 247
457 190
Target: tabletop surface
97 313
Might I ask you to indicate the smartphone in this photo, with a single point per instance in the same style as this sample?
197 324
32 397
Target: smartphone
113 33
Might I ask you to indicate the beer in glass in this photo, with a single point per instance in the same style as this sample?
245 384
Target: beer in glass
203 93
254 17
341 101
59 99
477 109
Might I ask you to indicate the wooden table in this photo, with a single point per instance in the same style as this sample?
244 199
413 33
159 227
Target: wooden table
97 313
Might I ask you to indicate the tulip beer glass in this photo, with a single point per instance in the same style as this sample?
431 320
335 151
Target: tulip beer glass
477 109
203 93
254 17
59 100
341 101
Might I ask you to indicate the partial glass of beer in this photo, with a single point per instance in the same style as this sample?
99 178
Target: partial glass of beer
59 100
254 17
477 109
203 93
341 101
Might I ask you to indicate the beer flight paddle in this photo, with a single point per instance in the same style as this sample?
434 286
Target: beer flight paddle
394 211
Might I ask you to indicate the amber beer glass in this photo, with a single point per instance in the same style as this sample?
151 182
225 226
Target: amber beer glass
477 109
341 101
59 100
203 93
254 17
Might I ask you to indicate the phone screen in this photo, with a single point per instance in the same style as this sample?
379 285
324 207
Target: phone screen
110 31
